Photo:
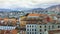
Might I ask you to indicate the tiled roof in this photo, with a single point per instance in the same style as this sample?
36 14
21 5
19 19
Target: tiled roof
37 15
34 15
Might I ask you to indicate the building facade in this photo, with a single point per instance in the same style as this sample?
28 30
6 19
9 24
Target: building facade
35 25
40 28
31 29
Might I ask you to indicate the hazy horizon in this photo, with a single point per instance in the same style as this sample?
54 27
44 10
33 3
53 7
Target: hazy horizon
28 3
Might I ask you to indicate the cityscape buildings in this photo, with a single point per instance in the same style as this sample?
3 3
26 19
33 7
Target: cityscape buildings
29 23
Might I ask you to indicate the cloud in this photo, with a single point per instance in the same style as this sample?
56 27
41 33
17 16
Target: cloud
27 3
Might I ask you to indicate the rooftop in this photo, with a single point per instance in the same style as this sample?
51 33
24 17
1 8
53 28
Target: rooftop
34 15
37 14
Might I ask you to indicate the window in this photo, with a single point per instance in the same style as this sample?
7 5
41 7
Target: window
32 32
52 26
32 26
40 26
40 30
49 27
35 33
32 29
58 26
40 33
27 26
27 32
27 29
35 29
45 30
45 26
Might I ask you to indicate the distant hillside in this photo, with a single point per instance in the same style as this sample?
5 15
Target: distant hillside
54 8
5 10
35 9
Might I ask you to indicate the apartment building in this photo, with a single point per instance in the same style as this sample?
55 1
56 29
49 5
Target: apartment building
39 23
46 27
31 29
40 28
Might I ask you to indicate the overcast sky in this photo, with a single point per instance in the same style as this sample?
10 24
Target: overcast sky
27 3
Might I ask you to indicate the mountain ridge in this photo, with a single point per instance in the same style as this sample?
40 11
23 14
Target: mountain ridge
51 8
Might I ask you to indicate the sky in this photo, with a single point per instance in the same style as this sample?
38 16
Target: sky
28 3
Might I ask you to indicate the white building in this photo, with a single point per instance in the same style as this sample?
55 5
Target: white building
31 29
16 14
46 27
40 28
7 27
